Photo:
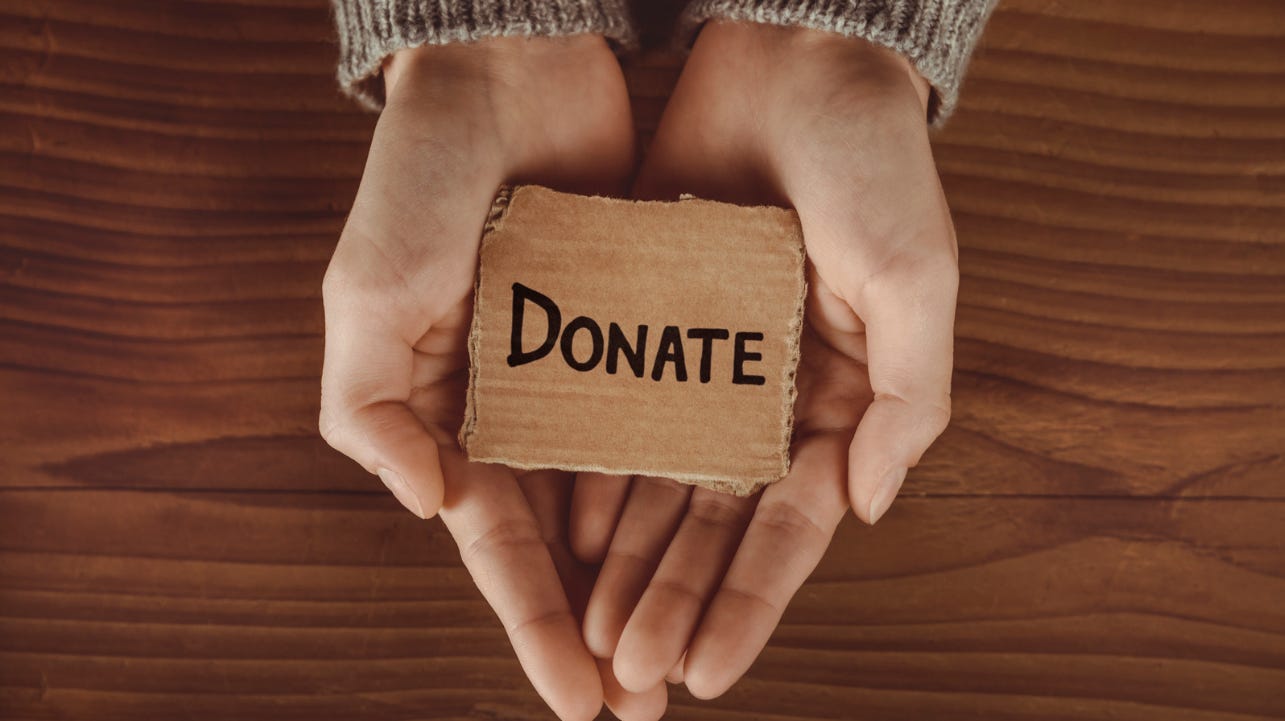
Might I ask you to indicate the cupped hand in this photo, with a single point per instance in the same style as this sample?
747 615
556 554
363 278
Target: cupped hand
693 583
461 120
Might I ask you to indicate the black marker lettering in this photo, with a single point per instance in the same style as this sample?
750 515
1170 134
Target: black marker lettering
741 356
671 349
636 355
568 342
521 294
707 336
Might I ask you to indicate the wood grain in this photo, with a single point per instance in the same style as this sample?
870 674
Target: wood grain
253 601
1100 534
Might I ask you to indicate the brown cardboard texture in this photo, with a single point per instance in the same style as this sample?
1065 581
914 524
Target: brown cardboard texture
652 338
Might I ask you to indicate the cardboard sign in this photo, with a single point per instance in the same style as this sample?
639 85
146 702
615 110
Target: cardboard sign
633 337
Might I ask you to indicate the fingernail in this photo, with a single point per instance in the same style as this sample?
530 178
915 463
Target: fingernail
401 489
884 494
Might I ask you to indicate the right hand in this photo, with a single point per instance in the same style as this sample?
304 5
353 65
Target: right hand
460 120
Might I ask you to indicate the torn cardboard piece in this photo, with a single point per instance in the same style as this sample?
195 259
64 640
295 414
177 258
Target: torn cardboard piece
650 338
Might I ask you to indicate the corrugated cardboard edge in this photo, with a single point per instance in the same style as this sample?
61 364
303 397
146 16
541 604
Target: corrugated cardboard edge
794 352
494 219
499 209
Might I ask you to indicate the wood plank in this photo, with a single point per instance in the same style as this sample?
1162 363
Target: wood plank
285 596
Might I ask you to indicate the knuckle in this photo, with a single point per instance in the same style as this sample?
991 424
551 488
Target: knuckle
787 519
679 589
363 267
634 557
713 512
343 425
546 618
511 536
921 272
927 414
946 275
662 486
754 598
330 281
337 282
938 414
932 414
330 426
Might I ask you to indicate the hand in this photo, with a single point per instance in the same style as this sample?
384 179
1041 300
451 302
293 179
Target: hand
511 530
693 582
459 121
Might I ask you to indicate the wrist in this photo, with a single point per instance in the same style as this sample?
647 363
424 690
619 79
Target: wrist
800 58
525 104
894 68
411 71
509 67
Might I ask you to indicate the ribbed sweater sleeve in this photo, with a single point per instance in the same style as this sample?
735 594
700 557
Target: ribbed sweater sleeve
371 30
937 36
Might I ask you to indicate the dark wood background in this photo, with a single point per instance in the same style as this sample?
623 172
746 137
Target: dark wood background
1100 534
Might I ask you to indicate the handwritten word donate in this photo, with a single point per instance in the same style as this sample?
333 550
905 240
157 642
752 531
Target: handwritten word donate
614 344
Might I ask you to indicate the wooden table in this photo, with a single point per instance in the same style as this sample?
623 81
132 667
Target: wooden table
1100 534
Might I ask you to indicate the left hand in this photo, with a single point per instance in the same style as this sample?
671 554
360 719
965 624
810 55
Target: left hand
694 582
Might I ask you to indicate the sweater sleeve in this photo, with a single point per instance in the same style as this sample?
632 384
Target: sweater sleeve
371 30
937 36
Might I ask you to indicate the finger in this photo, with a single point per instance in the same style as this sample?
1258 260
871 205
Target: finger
909 310
675 674
365 383
662 625
651 515
596 504
548 493
789 533
502 546
648 705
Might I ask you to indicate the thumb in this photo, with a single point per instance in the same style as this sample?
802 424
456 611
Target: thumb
388 440
892 436
909 309
365 382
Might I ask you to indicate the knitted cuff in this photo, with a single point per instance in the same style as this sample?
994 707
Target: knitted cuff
937 36
371 30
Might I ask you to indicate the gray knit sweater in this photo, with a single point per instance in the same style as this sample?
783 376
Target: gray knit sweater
937 36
